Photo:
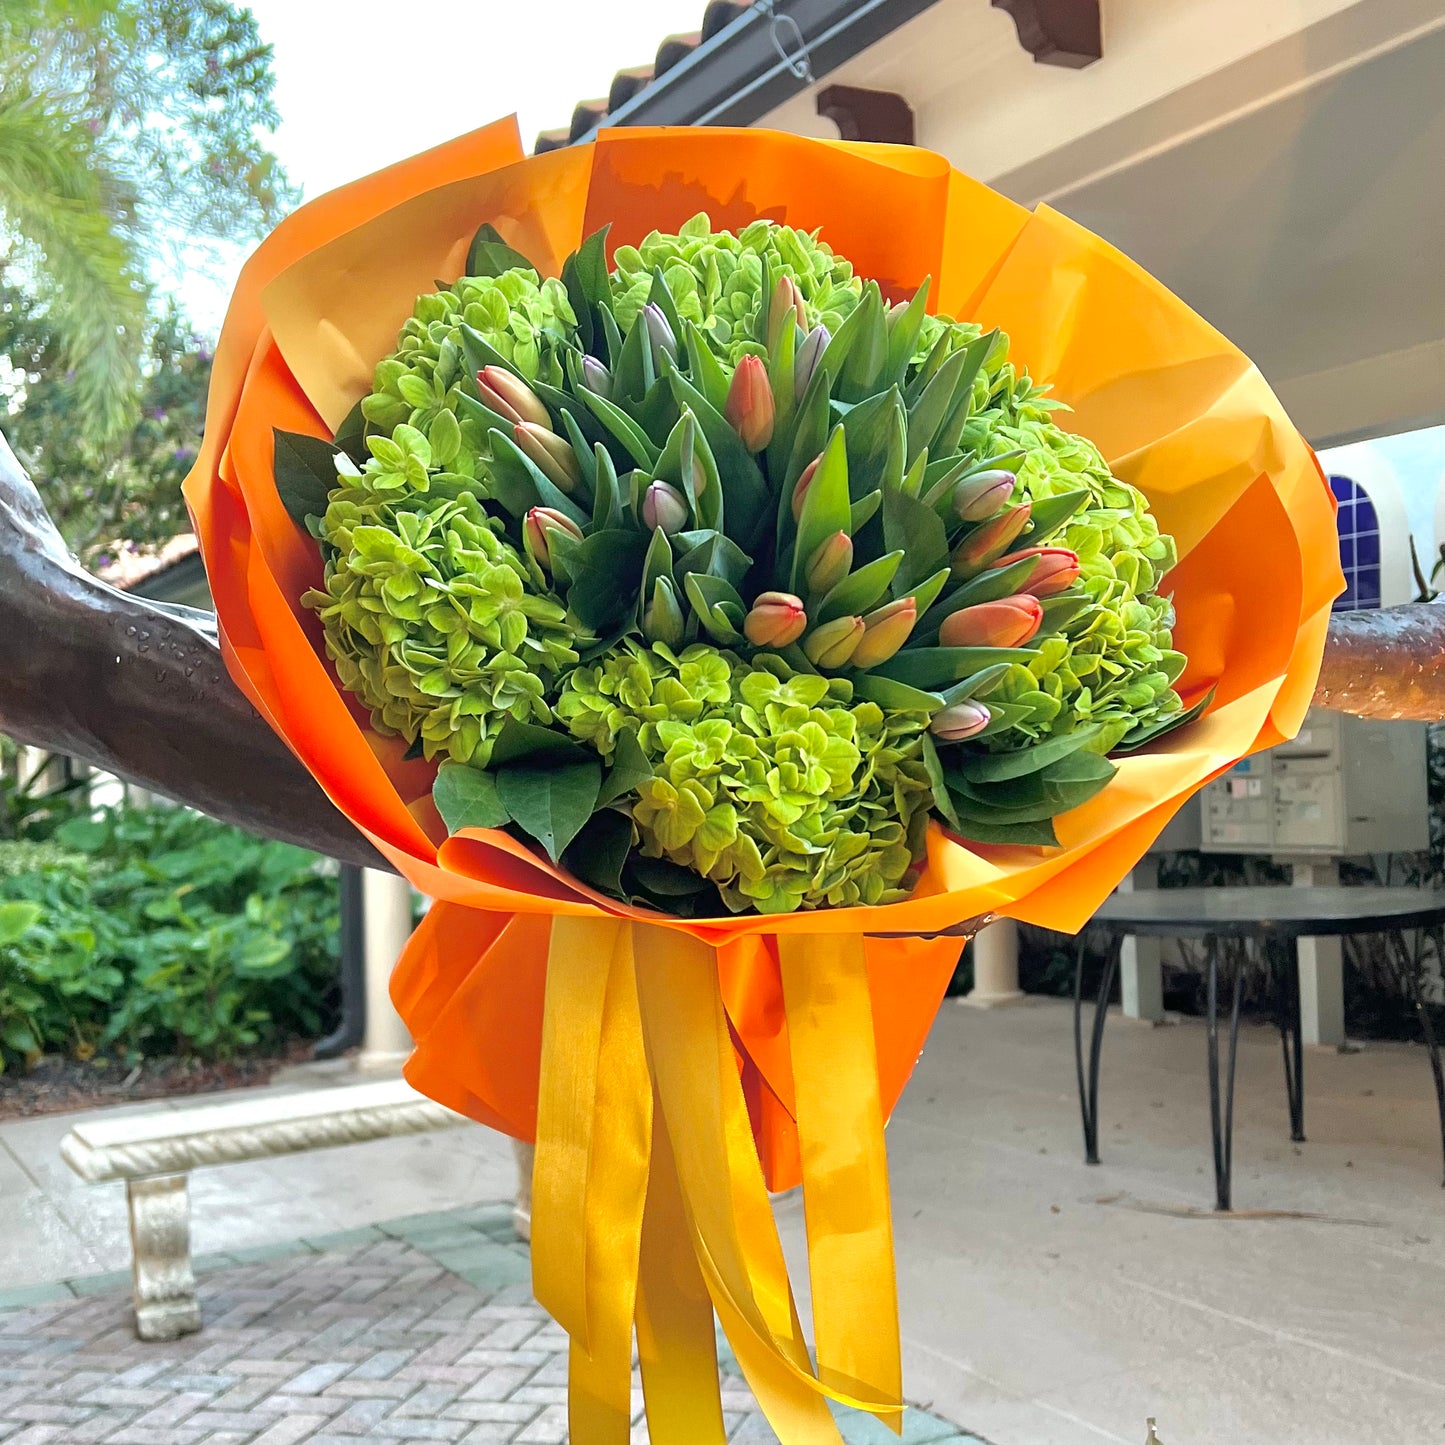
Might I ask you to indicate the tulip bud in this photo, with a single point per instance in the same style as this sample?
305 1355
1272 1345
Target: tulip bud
886 629
976 499
1055 568
786 304
662 619
539 526
834 643
985 544
961 720
800 487
511 397
664 506
831 562
596 377
776 619
659 333
810 349
1009 622
749 404
550 454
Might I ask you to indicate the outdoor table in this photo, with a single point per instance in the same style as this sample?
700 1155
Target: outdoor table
1227 919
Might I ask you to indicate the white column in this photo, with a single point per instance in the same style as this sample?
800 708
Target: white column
995 966
386 902
1141 973
1321 964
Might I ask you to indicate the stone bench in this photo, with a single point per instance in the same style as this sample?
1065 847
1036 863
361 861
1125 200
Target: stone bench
155 1152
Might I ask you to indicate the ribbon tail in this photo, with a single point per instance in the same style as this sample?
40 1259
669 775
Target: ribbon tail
845 1168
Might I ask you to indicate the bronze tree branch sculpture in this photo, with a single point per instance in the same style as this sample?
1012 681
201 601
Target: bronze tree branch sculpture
138 688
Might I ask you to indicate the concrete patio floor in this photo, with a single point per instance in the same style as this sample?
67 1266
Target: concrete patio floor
1044 1303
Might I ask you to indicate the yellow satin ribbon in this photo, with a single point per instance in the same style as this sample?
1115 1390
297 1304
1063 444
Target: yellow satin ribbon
649 1205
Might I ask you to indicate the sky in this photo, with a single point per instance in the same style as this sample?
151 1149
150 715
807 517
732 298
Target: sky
362 84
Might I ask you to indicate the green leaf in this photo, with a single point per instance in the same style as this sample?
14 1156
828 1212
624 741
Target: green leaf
903 334
598 854
656 562
941 798
305 468
606 577
977 684
621 426
925 594
704 370
877 429
859 590
351 435
867 352
551 804
710 552
1000 766
535 746
990 586
490 255
606 495
1150 732
16 920
861 512
935 667
976 352
1062 610
931 409
584 274
895 696
629 769
746 500
916 531
825 507
466 797
1037 835
479 353
519 484
1050 513
717 603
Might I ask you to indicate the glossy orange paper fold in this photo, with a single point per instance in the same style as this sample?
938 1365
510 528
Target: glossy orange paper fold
1175 408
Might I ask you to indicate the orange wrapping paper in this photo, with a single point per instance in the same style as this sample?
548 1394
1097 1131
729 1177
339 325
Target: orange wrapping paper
669 1023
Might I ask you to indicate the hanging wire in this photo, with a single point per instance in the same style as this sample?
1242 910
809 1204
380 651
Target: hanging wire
788 41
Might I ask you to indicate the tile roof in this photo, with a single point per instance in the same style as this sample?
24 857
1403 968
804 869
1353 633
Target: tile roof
718 15
128 566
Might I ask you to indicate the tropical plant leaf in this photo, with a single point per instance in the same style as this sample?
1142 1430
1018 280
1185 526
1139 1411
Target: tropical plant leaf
629 769
551 803
598 854
305 469
490 255
466 797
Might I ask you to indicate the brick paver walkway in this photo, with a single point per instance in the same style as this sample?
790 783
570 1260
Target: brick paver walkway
420 1330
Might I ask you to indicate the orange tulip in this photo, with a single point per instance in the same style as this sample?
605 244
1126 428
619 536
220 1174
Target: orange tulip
776 619
749 404
1010 622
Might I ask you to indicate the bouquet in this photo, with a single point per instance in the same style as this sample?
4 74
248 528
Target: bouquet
716 575
699 587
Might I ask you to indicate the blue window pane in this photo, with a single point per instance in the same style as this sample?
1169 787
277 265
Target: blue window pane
1359 532
1367 547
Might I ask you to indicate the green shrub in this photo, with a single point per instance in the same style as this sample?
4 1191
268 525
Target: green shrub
155 931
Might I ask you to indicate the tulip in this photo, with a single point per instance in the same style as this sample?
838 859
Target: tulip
959 721
786 301
776 619
831 562
749 404
1010 622
662 619
539 526
1055 568
659 333
596 377
664 506
550 454
800 487
985 544
509 396
885 630
976 499
834 643
812 347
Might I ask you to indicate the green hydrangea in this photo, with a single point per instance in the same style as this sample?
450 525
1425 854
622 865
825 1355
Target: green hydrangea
432 618
716 279
524 319
779 787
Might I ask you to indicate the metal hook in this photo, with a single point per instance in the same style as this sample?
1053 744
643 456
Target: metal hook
785 28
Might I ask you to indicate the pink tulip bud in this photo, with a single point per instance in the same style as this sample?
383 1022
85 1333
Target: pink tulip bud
1009 622
749 404
800 487
814 344
550 454
659 333
976 499
1055 568
538 528
885 630
961 720
664 506
519 403
986 543
834 643
831 562
786 304
596 377
776 619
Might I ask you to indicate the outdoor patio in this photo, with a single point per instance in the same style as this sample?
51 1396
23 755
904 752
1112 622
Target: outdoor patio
1044 1303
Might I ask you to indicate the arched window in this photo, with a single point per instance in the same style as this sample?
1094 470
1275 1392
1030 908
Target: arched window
1359 529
